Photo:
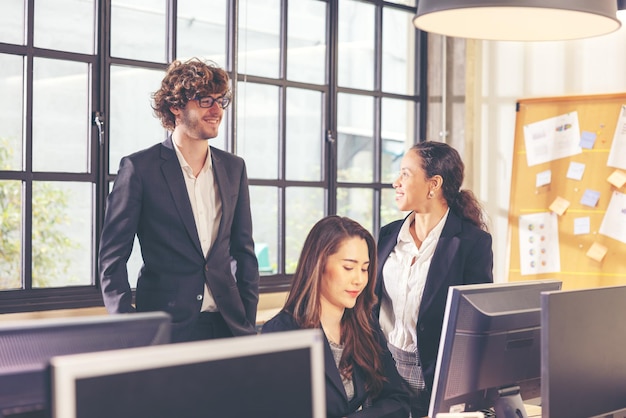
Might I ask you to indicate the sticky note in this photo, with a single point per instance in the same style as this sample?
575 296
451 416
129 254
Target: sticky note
559 206
617 178
582 225
597 251
590 198
575 170
543 178
587 139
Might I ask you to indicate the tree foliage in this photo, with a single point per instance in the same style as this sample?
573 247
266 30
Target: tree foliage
51 247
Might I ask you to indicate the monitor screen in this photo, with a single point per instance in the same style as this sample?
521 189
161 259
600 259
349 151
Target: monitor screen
583 353
489 354
263 376
26 347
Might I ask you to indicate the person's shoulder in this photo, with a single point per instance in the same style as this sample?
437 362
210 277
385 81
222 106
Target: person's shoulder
146 152
473 231
391 227
282 321
220 154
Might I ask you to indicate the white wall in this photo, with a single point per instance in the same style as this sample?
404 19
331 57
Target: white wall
509 71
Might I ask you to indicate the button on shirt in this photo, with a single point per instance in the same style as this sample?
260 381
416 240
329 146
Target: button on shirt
207 210
404 278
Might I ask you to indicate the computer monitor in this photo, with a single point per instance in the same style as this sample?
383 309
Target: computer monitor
583 353
26 347
489 354
277 375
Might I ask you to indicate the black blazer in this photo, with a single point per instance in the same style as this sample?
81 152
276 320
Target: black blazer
463 256
393 401
149 199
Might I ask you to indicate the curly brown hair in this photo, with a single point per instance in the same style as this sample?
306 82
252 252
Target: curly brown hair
185 81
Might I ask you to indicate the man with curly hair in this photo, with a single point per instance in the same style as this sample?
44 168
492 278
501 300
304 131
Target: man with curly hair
189 205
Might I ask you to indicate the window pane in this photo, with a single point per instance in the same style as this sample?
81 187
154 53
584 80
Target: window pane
133 125
398 134
404 2
306 41
356 204
305 206
198 22
10 233
61 109
398 56
259 41
12 21
257 129
388 209
356 45
304 135
355 146
65 25
138 29
264 205
62 246
11 86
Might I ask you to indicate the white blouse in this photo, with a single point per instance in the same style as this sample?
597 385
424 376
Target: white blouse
404 278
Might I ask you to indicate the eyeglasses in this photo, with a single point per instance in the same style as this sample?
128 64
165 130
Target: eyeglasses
208 101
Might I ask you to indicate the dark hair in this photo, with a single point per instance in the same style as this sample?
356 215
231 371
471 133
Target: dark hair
183 82
441 159
303 303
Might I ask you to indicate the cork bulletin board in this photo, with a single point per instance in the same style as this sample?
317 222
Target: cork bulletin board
567 216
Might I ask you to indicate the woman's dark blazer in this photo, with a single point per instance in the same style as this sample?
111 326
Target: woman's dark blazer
393 401
463 256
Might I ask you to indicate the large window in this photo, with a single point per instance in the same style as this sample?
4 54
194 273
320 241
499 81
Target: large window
327 99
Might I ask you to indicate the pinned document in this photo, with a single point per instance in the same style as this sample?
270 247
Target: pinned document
539 243
614 221
551 139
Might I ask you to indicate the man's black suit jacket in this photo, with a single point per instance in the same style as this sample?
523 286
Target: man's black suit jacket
149 199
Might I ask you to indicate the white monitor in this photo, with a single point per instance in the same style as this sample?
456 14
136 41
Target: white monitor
271 375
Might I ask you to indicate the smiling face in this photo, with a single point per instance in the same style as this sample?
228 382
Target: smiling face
198 122
412 186
345 275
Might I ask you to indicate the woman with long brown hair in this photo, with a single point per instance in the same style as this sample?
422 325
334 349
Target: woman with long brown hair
442 242
333 289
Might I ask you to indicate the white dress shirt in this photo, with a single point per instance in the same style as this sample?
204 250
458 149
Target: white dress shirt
404 278
207 210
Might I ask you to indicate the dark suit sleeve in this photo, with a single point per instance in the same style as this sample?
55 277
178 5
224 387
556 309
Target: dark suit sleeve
479 265
118 234
242 250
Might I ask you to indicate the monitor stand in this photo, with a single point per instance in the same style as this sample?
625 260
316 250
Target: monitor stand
509 404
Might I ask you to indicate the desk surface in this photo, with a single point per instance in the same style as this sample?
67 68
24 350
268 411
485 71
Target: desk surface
533 411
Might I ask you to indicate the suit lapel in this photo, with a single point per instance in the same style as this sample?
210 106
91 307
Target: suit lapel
223 186
176 184
332 373
445 252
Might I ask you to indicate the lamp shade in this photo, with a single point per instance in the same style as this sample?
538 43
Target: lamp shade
621 10
518 20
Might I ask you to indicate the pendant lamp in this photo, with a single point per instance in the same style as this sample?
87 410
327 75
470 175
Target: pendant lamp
518 20
621 10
